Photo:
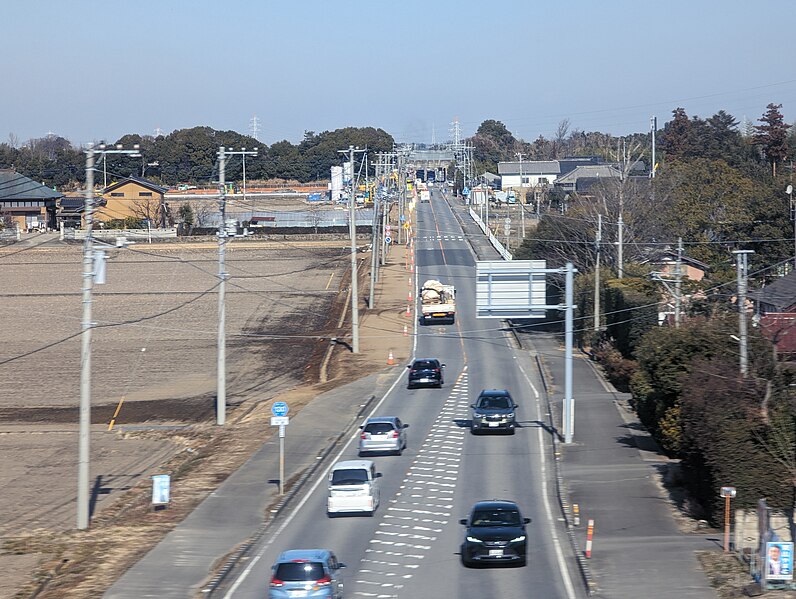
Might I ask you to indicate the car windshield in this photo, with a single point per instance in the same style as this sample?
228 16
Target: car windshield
299 571
496 518
495 403
350 477
424 365
378 428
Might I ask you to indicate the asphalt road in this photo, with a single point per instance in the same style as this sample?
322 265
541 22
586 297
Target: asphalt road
410 547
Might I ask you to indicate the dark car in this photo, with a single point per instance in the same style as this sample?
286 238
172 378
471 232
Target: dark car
493 410
426 372
495 534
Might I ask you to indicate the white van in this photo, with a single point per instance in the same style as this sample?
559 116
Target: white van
353 488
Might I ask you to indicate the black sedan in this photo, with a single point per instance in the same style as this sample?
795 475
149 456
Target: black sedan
495 534
426 372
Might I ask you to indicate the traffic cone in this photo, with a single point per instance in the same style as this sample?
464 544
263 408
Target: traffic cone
390 359
410 295
406 331
408 311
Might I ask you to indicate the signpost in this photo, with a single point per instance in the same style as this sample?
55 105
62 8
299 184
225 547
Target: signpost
161 490
280 419
728 493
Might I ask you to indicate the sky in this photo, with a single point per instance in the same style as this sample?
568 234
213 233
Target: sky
91 71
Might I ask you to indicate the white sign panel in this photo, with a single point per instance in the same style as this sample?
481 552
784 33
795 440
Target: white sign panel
280 420
161 489
511 289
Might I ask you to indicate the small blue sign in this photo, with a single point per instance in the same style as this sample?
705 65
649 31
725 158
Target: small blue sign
403 218
388 240
279 408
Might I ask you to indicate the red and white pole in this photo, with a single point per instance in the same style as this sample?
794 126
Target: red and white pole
589 534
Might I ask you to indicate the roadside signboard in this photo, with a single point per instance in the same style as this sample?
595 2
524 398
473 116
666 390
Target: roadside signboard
279 408
161 489
779 561
511 289
280 420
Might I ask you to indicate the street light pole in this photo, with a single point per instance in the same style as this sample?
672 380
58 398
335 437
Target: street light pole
84 422
741 263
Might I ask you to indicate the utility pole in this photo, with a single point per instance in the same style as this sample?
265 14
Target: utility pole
678 282
352 229
654 127
223 233
522 187
620 257
741 263
89 273
597 242
569 401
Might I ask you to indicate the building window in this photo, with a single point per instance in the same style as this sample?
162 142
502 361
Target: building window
145 194
117 194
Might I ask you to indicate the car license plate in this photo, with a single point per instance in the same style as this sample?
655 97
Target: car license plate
301 593
495 553
493 423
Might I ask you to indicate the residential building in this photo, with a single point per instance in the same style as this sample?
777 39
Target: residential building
132 198
29 205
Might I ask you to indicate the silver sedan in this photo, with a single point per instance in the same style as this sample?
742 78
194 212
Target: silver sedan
383 434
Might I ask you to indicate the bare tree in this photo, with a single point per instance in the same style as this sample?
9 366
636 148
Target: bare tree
13 140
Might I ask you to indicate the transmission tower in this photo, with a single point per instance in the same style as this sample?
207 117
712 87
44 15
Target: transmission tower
254 127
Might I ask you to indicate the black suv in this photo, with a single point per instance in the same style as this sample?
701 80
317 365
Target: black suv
426 372
495 534
493 410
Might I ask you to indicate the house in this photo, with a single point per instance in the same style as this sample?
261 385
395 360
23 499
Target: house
132 198
528 173
29 205
581 178
775 313
664 262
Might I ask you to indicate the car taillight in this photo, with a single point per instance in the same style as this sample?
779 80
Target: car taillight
275 582
363 436
325 581
395 434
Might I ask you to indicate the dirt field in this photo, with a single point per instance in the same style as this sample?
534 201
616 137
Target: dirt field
155 352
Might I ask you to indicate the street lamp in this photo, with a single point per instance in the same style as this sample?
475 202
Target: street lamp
85 346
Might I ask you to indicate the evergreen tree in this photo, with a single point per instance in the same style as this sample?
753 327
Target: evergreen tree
772 135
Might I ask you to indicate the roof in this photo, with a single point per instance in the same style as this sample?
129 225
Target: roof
668 256
530 167
352 464
304 554
137 181
589 171
382 419
779 295
431 156
496 503
14 186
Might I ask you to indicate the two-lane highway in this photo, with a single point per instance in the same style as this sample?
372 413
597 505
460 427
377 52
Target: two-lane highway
410 547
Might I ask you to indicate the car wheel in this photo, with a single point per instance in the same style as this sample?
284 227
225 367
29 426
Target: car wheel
473 430
512 430
399 451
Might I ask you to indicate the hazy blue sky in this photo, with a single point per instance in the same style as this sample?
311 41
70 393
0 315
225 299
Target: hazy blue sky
89 70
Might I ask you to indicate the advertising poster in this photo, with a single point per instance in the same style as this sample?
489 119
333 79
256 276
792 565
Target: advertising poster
779 561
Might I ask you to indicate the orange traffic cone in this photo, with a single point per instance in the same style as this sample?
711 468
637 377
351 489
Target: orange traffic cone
390 359
406 331
410 295
408 311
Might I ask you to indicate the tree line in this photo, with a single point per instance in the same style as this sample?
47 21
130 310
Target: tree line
190 156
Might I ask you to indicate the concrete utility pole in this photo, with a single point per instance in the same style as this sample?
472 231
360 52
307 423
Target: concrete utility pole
741 263
223 233
597 242
520 156
654 127
620 257
678 283
89 273
569 400
352 229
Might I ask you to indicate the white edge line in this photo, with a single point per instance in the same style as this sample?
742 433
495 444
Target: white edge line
304 499
562 564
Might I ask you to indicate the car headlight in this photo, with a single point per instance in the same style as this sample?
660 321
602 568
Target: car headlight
475 540
477 415
518 539
510 415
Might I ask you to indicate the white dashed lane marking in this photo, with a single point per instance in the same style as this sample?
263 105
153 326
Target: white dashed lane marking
421 507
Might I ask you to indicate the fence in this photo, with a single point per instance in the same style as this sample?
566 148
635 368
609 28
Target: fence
504 253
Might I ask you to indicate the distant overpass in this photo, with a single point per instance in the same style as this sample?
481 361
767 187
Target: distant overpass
426 162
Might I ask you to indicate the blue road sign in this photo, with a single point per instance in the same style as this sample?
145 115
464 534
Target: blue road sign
388 240
279 408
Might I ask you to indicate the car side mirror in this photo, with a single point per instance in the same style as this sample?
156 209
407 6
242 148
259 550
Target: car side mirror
406 426
526 520
408 365
472 405
442 365
463 521
379 475
341 566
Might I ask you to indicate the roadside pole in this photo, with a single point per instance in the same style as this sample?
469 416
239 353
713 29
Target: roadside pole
280 419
